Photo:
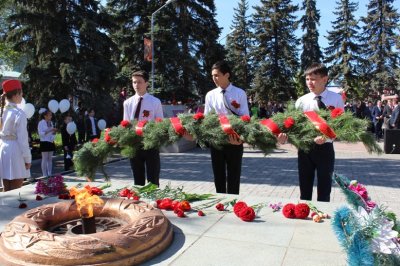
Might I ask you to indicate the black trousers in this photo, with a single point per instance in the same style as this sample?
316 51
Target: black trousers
68 161
320 158
227 166
146 161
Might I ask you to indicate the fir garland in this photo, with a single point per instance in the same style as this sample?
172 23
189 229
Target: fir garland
208 130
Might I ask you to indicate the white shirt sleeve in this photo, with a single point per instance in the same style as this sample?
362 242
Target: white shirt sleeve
158 110
22 137
244 108
207 105
42 128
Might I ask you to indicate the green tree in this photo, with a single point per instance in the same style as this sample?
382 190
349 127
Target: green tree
130 25
343 51
275 49
238 46
380 34
311 50
186 34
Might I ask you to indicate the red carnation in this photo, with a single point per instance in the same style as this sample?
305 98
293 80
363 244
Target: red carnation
158 120
96 191
124 193
146 113
38 197
289 122
302 210
174 204
179 212
220 207
235 104
245 118
184 205
247 214
200 213
136 197
198 116
238 207
289 210
336 112
125 123
95 140
22 205
165 204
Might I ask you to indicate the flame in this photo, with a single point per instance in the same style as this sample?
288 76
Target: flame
85 200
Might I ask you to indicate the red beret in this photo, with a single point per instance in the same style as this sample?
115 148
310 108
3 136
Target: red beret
11 85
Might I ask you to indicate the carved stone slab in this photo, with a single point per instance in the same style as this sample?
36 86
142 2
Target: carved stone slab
143 232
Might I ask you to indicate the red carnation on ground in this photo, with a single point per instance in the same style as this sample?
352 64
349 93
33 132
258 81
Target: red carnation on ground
238 207
125 192
336 112
184 205
200 213
289 122
22 205
247 214
175 204
136 197
179 212
302 210
220 207
198 116
95 191
165 204
245 118
38 197
125 123
289 210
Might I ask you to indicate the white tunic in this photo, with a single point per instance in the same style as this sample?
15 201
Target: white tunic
14 145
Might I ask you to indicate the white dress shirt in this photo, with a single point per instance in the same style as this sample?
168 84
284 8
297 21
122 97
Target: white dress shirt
329 98
150 104
215 101
14 145
45 132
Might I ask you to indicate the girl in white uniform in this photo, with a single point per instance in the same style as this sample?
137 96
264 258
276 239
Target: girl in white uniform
15 154
47 135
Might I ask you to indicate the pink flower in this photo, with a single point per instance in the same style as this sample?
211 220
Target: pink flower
360 190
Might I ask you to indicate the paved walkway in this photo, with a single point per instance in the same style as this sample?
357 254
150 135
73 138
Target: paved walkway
274 175
221 238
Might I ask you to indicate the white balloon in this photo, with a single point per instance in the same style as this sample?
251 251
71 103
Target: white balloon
29 110
71 128
53 106
64 105
101 124
22 104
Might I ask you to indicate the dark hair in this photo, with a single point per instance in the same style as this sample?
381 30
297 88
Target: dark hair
141 73
222 66
8 95
42 115
317 69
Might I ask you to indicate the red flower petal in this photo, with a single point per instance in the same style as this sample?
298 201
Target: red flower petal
288 210
302 210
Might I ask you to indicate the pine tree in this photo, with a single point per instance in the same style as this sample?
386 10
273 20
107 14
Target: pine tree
380 34
186 46
238 47
343 52
40 30
311 50
275 49
131 23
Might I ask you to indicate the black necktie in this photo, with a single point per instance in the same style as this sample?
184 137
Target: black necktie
321 105
230 111
139 105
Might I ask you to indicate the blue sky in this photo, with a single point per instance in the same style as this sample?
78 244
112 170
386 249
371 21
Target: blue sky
326 7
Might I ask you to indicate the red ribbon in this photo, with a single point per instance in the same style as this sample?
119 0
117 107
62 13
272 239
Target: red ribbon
139 127
320 124
177 125
271 125
226 126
